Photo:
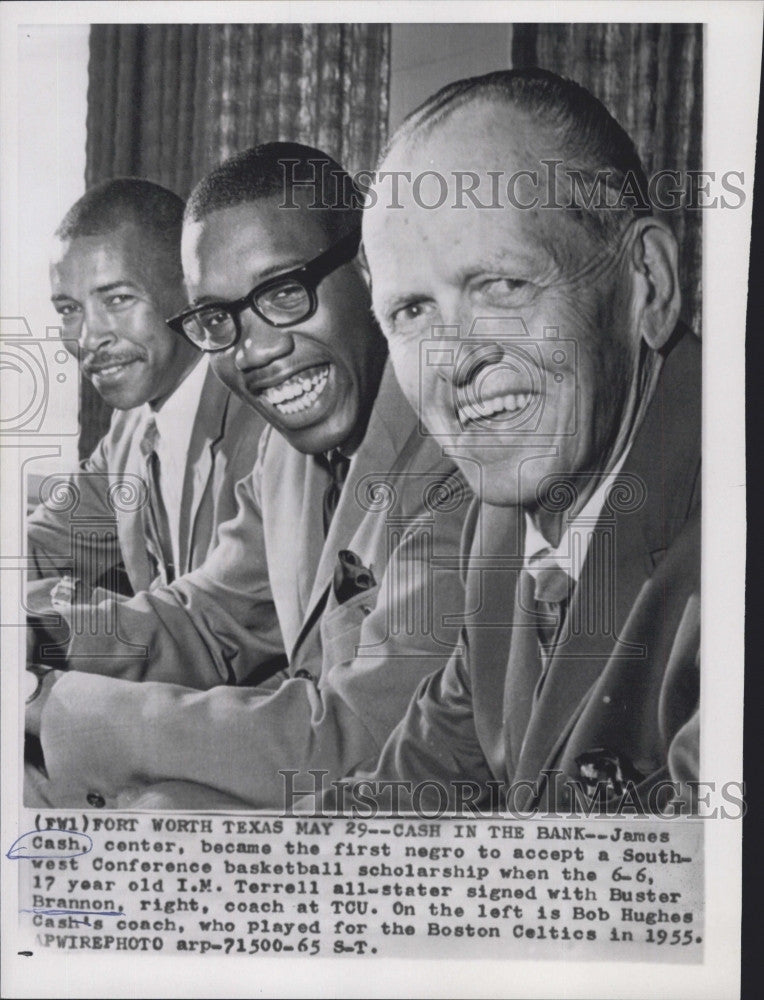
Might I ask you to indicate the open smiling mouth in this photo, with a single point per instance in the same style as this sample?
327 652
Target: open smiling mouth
110 371
298 392
474 410
490 395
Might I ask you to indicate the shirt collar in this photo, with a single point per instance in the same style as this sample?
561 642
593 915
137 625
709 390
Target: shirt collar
570 553
175 418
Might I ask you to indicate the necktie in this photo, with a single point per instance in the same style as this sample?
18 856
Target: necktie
552 590
541 600
155 522
337 465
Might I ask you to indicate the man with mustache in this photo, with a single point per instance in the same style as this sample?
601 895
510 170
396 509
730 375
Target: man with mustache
349 525
537 332
115 276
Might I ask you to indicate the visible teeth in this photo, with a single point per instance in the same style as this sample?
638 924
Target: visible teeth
477 409
298 393
469 412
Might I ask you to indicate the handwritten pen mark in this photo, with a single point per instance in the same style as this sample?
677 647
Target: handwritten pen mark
18 850
74 913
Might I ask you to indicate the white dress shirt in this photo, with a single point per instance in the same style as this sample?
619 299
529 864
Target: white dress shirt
175 424
570 554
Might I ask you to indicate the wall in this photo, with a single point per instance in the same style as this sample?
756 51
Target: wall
425 57
52 108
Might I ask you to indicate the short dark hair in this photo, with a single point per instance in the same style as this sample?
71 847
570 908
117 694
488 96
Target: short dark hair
589 136
155 210
281 169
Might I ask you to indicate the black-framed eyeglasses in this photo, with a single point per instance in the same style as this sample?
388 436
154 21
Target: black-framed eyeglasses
285 300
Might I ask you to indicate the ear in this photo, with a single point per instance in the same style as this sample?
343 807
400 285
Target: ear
654 264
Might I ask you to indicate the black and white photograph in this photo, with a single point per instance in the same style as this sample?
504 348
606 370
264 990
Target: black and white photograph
369 625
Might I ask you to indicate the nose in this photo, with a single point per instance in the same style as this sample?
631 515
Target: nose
261 344
97 329
457 312
471 357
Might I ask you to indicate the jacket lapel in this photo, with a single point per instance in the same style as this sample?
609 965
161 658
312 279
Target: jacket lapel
311 532
209 428
390 425
610 581
494 564
660 477
130 527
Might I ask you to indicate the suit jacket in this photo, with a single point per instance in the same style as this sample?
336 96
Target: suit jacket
353 665
620 699
102 502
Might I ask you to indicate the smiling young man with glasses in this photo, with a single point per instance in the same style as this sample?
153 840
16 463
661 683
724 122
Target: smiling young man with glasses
350 525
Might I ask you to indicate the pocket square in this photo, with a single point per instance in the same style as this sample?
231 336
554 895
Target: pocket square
351 577
604 771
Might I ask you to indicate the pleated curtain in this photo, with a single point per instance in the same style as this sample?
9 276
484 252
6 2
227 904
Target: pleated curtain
168 102
650 78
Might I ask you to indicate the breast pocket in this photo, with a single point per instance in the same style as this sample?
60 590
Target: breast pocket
341 627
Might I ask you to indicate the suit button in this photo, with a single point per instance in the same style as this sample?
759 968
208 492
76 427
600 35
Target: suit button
366 609
96 800
304 674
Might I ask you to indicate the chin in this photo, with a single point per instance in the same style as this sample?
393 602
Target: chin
120 402
499 485
313 440
496 493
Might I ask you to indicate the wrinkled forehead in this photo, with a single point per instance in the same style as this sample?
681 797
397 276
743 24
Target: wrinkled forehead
484 134
123 240
486 173
123 253
457 164
485 179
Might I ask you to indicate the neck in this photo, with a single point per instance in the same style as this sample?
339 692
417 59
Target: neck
376 368
185 371
552 524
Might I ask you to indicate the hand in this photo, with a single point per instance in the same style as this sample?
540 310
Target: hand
37 696
65 593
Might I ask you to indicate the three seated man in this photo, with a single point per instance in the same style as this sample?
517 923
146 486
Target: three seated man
481 552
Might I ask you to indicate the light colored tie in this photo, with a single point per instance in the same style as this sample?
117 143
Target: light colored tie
552 591
156 523
541 600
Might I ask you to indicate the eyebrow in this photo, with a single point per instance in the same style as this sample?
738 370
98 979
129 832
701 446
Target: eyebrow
272 271
110 287
502 260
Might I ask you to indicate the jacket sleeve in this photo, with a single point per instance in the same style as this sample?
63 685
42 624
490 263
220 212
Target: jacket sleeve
237 459
263 747
432 761
82 497
679 706
216 625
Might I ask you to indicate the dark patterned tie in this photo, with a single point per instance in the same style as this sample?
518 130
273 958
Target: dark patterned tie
337 466
156 524
552 590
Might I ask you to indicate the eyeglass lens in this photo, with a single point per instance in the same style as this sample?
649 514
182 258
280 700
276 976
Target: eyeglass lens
281 304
